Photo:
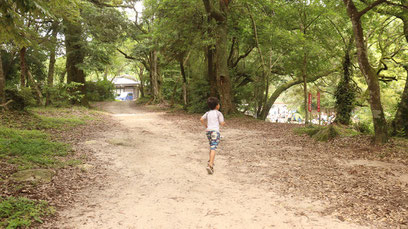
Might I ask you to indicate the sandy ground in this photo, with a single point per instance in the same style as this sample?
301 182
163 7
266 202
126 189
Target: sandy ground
158 180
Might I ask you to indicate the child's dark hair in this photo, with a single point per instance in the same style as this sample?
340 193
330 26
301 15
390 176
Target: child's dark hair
212 102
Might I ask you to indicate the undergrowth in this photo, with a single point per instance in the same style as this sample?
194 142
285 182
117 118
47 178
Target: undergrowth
22 212
30 148
326 133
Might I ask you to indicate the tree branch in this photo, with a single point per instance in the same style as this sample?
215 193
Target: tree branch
102 4
126 55
231 50
368 8
4 106
242 56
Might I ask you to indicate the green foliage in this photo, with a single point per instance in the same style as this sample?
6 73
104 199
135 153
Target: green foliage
63 95
21 98
57 122
199 89
363 127
345 94
22 212
100 90
326 134
30 148
309 130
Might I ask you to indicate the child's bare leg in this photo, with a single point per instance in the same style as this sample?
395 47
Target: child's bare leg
212 156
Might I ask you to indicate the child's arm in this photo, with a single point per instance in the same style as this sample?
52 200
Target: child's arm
203 122
221 119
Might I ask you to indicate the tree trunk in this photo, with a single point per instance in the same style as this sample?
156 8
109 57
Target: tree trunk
141 71
23 67
371 77
221 53
345 92
2 82
36 88
400 122
155 76
304 76
62 76
51 68
75 56
105 74
212 74
261 91
183 74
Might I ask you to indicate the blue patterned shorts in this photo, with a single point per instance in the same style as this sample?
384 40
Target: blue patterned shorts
213 138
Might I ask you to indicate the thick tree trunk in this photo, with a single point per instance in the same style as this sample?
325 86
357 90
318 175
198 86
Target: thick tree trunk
51 68
345 94
400 122
155 77
75 56
371 77
2 82
23 67
223 78
221 53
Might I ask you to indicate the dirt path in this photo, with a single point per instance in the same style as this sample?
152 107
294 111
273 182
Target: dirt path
158 180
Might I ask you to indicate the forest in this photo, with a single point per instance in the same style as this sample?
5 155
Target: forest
72 156
249 53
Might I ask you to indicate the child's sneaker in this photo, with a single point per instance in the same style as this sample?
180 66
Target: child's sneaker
210 170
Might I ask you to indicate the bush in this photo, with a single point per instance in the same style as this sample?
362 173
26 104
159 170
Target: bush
326 133
21 98
310 130
100 90
199 89
22 212
363 127
63 95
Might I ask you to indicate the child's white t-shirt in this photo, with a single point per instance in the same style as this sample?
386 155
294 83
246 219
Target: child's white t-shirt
214 118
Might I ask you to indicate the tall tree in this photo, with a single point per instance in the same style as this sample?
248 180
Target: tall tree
75 50
371 77
220 15
51 68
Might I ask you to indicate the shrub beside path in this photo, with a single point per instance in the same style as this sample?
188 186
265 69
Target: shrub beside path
157 178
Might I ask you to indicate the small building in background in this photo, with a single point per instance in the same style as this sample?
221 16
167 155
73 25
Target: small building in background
126 84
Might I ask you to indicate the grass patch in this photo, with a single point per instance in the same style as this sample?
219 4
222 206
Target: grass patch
57 122
30 148
22 212
326 133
